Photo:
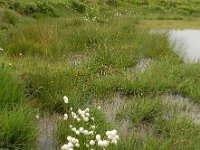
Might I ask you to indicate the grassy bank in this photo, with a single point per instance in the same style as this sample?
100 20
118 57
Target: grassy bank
89 51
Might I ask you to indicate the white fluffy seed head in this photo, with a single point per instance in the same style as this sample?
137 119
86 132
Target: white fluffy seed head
114 142
100 143
98 137
69 138
87 109
65 117
105 143
73 141
73 129
65 147
66 99
87 145
70 145
91 132
92 142
77 145
85 132
78 119
81 129
77 132
93 127
86 119
87 114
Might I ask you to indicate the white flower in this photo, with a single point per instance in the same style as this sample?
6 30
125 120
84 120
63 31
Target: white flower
103 143
77 132
91 132
65 116
100 143
98 137
78 119
87 114
65 147
37 116
65 99
107 133
87 109
86 119
1 49
71 145
74 115
93 127
85 132
92 118
92 142
69 138
73 129
114 141
73 140
99 107
81 129
112 135
77 145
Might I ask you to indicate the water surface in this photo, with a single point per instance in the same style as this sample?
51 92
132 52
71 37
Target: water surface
187 42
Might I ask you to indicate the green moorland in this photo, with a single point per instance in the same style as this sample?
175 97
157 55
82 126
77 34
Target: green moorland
89 50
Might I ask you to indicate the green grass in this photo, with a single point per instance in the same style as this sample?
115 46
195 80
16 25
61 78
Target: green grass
158 124
11 92
18 128
88 50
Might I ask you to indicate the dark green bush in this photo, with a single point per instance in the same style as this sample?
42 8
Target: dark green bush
31 8
46 8
78 6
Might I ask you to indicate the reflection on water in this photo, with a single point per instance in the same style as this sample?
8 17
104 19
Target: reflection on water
189 40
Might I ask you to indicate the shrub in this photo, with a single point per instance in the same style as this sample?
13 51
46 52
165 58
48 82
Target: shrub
8 16
77 6
46 8
31 8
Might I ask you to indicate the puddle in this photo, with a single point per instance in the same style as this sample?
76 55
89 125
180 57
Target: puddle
190 41
186 107
111 107
185 42
47 138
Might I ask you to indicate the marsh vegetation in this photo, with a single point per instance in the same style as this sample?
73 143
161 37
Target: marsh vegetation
103 57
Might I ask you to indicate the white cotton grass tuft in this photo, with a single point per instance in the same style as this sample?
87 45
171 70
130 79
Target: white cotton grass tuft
65 117
37 116
98 137
82 126
92 142
66 99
